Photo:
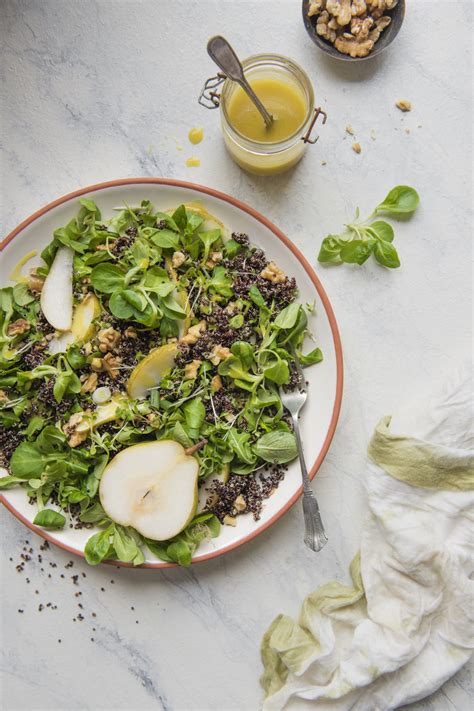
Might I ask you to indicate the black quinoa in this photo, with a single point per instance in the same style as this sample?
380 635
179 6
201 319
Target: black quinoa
9 441
241 238
254 488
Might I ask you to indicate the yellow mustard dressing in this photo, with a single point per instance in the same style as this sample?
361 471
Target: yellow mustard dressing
193 162
16 273
196 135
283 100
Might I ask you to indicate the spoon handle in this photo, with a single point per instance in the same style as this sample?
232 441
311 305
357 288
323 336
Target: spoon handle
226 59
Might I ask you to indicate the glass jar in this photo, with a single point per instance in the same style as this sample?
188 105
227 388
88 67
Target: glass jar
265 158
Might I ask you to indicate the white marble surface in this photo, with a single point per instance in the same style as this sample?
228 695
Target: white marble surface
99 90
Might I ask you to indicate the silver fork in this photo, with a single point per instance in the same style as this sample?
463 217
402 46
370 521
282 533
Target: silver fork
314 534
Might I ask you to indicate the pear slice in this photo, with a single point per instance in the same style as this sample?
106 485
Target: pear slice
152 487
84 315
102 415
82 328
56 295
61 342
149 371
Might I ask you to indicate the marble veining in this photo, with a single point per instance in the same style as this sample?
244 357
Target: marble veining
101 89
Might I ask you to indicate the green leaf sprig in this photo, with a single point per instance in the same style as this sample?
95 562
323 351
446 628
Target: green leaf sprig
371 236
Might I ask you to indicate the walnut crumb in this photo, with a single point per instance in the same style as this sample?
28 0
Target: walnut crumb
356 147
214 258
216 383
350 130
194 333
240 504
111 365
71 429
218 354
89 384
403 104
178 259
230 520
191 369
108 339
35 282
273 273
18 327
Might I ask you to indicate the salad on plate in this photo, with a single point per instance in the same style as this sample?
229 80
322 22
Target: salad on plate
140 369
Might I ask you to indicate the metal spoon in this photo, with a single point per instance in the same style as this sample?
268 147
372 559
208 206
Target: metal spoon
226 59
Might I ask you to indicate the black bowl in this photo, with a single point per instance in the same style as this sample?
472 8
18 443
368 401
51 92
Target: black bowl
386 38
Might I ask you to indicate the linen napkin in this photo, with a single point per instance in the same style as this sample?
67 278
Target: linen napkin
406 624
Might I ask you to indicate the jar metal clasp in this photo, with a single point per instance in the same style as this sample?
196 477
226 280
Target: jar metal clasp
307 136
209 97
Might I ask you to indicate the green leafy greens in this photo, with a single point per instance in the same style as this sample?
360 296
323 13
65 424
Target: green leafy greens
363 238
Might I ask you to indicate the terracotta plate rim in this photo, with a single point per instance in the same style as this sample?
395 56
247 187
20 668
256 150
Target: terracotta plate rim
322 295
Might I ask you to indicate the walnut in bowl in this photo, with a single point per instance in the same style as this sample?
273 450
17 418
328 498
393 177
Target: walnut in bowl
353 29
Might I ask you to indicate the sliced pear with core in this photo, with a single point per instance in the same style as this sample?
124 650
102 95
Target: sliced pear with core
56 295
149 371
152 487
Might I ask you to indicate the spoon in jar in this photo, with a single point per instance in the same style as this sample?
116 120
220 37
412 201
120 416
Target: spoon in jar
226 59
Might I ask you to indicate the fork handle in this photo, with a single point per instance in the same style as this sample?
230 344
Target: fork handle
315 535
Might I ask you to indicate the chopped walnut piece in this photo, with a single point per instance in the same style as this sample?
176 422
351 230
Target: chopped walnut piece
130 332
191 369
178 259
315 7
71 429
102 248
216 383
218 354
35 282
16 328
87 348
89 384
356 147
3 396
229 520
350 130
111 364
341 9
358 7
240 504
360 27
108 339
352 47
380 5
273 273
214 258
403 104
380 25
323 29
194 333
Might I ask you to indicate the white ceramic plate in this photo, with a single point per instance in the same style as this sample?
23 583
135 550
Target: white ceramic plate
325 380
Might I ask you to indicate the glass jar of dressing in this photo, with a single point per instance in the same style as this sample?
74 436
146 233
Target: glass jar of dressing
287 93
